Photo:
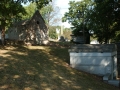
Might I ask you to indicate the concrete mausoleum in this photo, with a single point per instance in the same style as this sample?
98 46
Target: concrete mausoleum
99 59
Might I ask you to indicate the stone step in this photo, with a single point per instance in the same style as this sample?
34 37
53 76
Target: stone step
106 77
114 82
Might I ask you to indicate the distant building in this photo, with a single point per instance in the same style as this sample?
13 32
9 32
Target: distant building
81 39
33 31
94 42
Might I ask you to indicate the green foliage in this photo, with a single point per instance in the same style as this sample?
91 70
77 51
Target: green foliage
100 16
30 10
48 12
45 11
54 35
66 33
77 16
52 32
41 3
12 10
117 38
104 18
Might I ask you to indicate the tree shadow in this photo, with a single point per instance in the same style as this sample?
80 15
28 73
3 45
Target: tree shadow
42 68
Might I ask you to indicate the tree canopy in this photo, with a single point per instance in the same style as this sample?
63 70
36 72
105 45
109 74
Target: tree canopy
104 20
12 10
98 16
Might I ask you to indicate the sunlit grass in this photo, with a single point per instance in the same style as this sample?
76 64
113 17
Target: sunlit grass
43 68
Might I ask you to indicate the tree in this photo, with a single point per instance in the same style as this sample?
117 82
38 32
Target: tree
30 10
67 33
12 9
50 14
52 32
99 16
103 17
77 17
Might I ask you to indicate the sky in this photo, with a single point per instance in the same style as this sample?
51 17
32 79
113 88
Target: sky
63 5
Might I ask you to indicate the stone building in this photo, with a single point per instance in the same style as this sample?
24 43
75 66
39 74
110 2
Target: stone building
33 31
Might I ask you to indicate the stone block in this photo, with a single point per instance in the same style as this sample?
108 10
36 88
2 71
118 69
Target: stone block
114 82
106 77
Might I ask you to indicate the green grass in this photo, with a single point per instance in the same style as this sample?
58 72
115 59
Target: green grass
43 68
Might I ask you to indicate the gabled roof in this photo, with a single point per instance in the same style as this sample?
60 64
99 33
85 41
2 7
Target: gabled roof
25 22
38 14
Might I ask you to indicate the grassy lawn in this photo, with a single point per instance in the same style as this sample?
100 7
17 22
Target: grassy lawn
43 68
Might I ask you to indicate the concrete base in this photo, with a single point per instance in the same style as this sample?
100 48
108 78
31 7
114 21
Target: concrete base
96 59
93 62
114 82
106 77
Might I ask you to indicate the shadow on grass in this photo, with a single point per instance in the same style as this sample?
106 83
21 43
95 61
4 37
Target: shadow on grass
43 68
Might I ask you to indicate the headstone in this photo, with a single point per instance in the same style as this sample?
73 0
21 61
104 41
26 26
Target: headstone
62 39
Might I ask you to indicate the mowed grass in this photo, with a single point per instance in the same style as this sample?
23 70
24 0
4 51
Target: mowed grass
43 68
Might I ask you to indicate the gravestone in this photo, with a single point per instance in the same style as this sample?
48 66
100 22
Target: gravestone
62 39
